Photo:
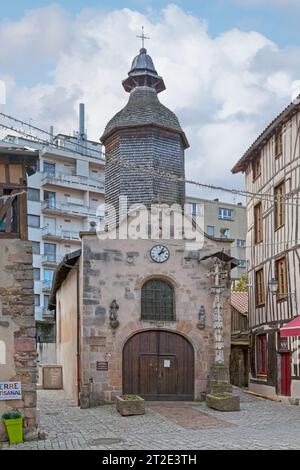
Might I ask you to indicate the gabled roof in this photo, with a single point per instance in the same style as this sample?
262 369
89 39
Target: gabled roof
271 129
239 301
61 273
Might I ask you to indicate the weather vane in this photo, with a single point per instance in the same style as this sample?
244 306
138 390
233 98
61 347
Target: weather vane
143 37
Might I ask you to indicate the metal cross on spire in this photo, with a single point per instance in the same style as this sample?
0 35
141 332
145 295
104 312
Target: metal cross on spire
143 37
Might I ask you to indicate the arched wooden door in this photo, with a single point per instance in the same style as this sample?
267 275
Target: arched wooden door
158 365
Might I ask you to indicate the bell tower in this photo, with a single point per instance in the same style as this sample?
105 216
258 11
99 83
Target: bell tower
143 141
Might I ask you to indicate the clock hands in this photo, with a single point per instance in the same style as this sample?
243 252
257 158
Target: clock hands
161 251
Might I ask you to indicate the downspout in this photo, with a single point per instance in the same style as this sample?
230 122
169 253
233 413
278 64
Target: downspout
78 335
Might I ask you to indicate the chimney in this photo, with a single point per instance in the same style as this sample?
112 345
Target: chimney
81 122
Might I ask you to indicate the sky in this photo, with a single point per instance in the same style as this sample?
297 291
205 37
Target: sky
230 66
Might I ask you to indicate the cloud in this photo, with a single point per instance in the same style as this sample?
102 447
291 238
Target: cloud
223 89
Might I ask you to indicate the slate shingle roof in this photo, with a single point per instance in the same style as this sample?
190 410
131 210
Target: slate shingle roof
143 107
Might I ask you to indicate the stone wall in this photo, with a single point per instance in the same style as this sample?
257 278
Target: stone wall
117 270
17 330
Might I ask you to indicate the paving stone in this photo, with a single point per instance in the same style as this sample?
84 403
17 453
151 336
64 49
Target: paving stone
261 424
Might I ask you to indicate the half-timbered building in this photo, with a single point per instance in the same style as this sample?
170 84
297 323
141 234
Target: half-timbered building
272 170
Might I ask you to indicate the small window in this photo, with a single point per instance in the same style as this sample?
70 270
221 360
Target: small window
278 144
67 221
279 206
260 288
36 274
50 198
224 233
256 168
242 263
33 221
36 248
194 209
49 168
262 355
281 278
258 223
157 301
226 214
37 300
33 194
241 243
211 230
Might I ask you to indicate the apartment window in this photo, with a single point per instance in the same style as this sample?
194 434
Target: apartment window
49 168
46 301
33 194
278 144
67 221
36 274
279 206
194 208
262 355
36 248
33 221
258 223
281 278
242 263
226 214
260 288
211 230
37 300
241 243
50 198
225 233
256 168
50 252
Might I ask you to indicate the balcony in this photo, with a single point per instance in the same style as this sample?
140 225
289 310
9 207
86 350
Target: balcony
51 259
77 210
48 314
58 234
73 181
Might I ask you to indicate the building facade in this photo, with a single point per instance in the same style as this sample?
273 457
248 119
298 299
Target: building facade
239 355
18 368
63 198
152 316
224 220
271 167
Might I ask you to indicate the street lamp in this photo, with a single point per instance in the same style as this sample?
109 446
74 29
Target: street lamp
273 286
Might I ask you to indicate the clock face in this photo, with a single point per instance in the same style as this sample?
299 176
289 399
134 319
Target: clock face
159 253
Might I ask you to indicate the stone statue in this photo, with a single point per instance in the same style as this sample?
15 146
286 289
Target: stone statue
113 315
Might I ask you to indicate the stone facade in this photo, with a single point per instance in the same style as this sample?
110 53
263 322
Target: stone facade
116 270
17 330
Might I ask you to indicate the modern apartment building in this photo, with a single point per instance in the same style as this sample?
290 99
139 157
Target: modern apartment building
63 197
225 220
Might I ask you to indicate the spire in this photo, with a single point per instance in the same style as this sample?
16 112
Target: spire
142 72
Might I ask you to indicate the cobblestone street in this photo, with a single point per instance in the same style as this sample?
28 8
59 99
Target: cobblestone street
261 424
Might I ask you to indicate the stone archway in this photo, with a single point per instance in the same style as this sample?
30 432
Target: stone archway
159 365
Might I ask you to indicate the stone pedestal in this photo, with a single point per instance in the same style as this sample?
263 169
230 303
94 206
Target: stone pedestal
218 380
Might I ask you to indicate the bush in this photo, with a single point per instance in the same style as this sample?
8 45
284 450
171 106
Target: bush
12 415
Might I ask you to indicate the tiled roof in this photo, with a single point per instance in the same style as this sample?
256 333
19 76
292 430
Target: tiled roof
244 161
239 301
143 107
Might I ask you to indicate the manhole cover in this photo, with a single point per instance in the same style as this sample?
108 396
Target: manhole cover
105 441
